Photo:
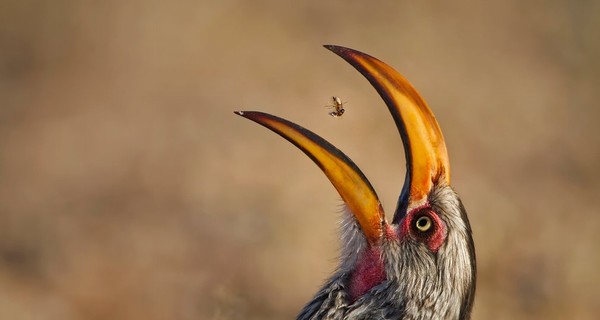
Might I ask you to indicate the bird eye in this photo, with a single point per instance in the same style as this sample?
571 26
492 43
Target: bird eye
423 223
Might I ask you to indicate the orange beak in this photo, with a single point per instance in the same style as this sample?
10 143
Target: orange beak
424 146
426 155
346 177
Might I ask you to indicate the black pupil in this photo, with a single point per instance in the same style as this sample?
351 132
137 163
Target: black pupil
422 222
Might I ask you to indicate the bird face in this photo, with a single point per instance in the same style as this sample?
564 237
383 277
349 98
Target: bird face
422 264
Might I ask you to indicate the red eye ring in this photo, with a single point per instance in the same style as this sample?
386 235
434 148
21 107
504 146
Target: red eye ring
424 225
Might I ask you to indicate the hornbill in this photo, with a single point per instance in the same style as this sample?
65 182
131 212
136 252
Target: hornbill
422 264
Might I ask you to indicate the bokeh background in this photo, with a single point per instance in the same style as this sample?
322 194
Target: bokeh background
129 189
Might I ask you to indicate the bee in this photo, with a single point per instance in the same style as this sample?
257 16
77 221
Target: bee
337 106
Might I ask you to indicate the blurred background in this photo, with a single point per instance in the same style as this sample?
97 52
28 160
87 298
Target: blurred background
129 189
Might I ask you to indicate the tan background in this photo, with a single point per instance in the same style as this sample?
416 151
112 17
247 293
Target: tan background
129 190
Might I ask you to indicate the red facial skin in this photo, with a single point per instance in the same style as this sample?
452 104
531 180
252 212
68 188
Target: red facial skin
370 270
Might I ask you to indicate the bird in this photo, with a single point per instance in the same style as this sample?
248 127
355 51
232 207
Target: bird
421 264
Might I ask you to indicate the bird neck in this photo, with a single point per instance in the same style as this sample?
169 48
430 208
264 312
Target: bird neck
369 272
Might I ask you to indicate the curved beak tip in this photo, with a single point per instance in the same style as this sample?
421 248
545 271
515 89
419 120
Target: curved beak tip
332 47
340 51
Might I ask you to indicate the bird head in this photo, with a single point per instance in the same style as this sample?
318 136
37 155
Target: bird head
421 265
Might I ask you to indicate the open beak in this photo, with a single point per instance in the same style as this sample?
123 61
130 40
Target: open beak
426 155
346 177
424 146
